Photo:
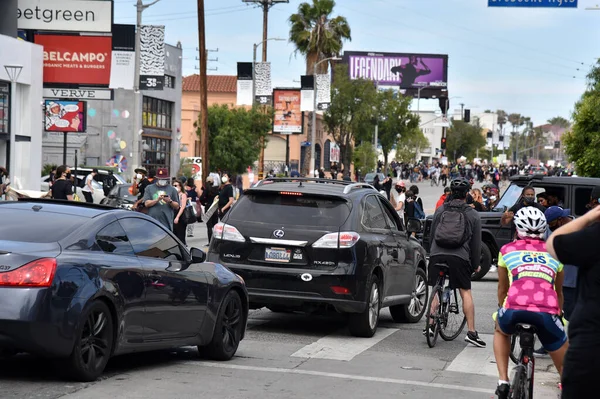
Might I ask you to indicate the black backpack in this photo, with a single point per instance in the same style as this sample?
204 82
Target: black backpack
453 228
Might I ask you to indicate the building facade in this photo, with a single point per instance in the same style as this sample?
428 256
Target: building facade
21 109
110 138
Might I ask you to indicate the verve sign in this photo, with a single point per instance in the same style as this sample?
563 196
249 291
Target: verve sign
533 3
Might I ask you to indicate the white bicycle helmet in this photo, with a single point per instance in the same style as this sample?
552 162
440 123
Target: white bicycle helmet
530 222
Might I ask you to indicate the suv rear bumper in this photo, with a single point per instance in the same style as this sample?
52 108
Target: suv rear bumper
285 287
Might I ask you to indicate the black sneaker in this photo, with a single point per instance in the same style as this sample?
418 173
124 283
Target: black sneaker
502 391
473 338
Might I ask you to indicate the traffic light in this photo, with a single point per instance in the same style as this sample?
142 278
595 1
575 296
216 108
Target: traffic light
501 138
443 145
557 144
467 115
489 134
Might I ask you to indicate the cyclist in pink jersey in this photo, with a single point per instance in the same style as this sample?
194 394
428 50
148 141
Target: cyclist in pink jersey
530 292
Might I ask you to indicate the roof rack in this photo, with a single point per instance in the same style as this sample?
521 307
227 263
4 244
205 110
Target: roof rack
349 185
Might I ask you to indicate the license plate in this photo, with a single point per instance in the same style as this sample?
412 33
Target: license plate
277 255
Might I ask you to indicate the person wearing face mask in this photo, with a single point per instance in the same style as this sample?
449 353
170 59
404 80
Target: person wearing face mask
400 198
62 189
225 197
161 199
180 226
527 199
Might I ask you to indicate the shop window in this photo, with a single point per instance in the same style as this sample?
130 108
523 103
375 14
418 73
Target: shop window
4 107
157 153
157 113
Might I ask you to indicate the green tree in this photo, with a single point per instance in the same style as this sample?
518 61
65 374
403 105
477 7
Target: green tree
364 158
464 139
316 34
583 141
351 114
395 120
409 145
235 136
560 122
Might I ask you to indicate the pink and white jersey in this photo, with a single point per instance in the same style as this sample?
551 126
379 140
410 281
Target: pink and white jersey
532 272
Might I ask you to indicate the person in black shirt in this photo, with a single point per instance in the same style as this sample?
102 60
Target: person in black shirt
209 192
527 199
62 189
225 197
576 243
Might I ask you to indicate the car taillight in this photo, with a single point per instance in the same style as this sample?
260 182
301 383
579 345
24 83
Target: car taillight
38 273
346 239
226 232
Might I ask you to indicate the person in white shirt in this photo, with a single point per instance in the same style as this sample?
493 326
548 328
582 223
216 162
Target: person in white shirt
88 189
400 198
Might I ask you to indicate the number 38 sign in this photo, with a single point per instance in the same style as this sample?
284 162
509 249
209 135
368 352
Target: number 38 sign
152 82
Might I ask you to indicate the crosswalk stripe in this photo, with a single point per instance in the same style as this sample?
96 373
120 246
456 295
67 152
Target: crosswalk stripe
339 346
475 360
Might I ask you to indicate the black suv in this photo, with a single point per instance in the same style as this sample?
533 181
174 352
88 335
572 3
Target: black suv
572 193
314 244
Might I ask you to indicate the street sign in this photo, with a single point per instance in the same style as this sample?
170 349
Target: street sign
533 3
443 123
81 93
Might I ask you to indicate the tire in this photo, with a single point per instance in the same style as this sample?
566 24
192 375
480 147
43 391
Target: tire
228 329
365 324
486 263
449 335
413 311
435 293
93 343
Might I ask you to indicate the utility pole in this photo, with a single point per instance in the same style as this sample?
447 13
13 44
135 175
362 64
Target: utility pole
266 6
203 93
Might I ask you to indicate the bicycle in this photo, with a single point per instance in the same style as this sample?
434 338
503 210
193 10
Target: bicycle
521 386
445 302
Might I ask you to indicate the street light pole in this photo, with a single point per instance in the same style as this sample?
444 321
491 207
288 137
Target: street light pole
13 72
314 114
137 115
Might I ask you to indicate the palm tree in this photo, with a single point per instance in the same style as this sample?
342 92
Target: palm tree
516 120
317 35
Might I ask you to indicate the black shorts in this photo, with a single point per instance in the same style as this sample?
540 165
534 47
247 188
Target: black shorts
459 269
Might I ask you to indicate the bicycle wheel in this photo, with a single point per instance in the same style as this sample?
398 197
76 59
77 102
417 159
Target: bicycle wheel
530 373
435 299
517 387
515 348
453 319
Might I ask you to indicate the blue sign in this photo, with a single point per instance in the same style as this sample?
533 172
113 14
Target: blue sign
533 3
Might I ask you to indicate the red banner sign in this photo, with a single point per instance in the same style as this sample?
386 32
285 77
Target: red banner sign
76 59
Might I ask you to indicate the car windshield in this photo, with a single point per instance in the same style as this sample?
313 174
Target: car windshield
291 210
509 198
124 191
42 227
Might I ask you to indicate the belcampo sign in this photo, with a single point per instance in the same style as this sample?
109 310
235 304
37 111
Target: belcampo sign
533 3
65 15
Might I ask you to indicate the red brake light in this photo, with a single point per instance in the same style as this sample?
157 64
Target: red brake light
290 193
38 273
340 290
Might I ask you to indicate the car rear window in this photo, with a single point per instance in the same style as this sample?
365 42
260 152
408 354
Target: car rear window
31 226
291 209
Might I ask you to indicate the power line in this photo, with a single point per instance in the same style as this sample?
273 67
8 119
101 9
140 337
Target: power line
192 14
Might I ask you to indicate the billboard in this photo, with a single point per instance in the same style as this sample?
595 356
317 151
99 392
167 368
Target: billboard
65 15
288 117
534 3
64 116
408 71
152 53
83 60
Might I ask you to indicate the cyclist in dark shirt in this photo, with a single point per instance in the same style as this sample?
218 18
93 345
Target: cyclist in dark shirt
576 243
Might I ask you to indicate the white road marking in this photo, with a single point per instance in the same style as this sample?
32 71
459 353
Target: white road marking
342 376
339 346
475 360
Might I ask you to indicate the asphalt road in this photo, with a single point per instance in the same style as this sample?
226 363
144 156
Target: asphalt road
295 356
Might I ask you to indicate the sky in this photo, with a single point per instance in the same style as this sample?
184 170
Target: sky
522 60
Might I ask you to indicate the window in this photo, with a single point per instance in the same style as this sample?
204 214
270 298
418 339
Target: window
157 153
372 217
326 159
41 227
113 239
4 107
156 113
391 221
150 240
170 81
582 198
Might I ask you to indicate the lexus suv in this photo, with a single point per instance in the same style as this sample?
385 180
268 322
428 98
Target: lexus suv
312 245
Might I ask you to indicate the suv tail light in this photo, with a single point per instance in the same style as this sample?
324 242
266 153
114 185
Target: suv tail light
346 239
38 273
227 232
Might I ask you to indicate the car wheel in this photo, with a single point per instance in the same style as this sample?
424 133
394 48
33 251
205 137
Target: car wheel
93 345
486 263
413 311
365 324
228 330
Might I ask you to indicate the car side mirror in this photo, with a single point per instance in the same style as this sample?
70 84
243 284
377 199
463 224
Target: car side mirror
414 226
198 256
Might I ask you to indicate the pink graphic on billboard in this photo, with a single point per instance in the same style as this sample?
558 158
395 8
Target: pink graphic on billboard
408 71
